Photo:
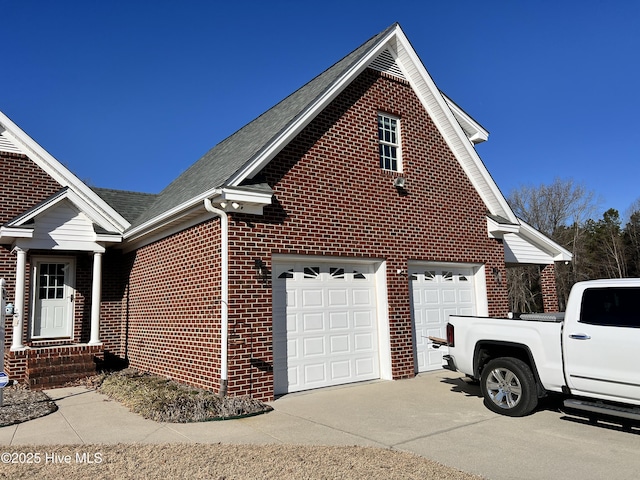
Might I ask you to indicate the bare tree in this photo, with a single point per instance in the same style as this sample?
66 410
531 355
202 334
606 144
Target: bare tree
548 208
558 210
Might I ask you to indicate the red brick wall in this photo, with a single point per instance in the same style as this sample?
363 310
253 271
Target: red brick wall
113 309
331 198
549 291
172 305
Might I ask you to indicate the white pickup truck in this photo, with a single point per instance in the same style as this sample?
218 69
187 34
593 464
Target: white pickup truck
590 353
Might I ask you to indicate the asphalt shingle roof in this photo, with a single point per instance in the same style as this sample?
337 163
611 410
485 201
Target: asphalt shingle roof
128 204
221 162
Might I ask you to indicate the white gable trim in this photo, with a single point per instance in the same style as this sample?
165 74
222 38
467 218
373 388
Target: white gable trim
59 173
433 101
80 203
451 131
59 226
476 133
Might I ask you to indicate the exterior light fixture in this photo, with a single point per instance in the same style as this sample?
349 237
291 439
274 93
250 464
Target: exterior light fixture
399 182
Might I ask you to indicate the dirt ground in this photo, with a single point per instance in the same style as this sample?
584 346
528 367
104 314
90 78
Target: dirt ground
217 462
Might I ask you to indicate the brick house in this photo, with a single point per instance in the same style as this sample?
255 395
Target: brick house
321 244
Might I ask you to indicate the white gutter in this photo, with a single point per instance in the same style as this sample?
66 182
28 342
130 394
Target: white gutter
224 293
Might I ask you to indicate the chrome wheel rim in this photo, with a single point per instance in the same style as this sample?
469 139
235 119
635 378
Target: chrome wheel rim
504 388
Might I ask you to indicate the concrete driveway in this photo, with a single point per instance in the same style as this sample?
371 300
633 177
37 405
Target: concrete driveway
436 415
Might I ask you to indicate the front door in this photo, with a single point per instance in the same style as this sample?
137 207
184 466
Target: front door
53 298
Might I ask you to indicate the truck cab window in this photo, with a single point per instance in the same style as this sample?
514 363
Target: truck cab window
613 307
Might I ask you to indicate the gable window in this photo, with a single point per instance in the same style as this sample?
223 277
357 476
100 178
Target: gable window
389 142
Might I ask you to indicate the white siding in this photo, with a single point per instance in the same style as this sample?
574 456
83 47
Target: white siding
7 145
63 228
519 250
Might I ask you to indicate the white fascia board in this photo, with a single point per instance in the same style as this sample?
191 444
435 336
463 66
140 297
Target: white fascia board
162 230
239 195
80 203
108 238
59 173
11 233
443 117
478 133
169 217
268 153
252 203
497 230
559 253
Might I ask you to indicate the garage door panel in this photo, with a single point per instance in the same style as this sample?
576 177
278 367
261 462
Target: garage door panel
365 367
338 298
338 320
437 293
431 297
340 344
363 342
313 346
362 297
449 295
293 374
363 320
331 325
341 370
432 316
314 373
292 347
465 296
312 298
312 322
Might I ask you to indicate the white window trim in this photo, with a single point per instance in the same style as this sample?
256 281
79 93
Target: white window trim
397 145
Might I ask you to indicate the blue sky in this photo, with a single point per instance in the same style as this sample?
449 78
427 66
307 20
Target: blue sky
128 94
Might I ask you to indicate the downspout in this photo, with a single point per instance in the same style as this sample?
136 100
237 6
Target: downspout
224 293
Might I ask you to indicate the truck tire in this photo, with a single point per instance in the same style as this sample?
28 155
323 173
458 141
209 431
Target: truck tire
509 387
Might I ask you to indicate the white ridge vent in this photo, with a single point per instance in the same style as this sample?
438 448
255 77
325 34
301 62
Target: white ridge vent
7 145
387 64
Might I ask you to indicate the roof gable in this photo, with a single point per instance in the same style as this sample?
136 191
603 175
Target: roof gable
239 158
63 221
14 140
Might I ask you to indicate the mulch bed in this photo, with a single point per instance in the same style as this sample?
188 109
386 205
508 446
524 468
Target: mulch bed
21 405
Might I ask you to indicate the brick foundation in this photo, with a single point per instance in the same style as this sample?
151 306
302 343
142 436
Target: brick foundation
49 367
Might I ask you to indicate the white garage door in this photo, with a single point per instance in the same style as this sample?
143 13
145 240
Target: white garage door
324 325
436 293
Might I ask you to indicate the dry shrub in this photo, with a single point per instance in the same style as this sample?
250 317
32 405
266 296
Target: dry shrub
165 400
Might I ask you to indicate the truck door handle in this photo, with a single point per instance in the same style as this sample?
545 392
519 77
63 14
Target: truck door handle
580 336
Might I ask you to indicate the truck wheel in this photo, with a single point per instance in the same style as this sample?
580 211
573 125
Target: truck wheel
508 387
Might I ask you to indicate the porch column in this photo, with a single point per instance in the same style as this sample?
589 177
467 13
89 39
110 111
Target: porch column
18 315
96 298
548 286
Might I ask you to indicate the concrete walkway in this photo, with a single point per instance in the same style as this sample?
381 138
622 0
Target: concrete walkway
436 415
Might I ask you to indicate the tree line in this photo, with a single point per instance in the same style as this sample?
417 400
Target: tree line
606 247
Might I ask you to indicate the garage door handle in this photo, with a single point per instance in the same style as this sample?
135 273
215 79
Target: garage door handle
580 336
